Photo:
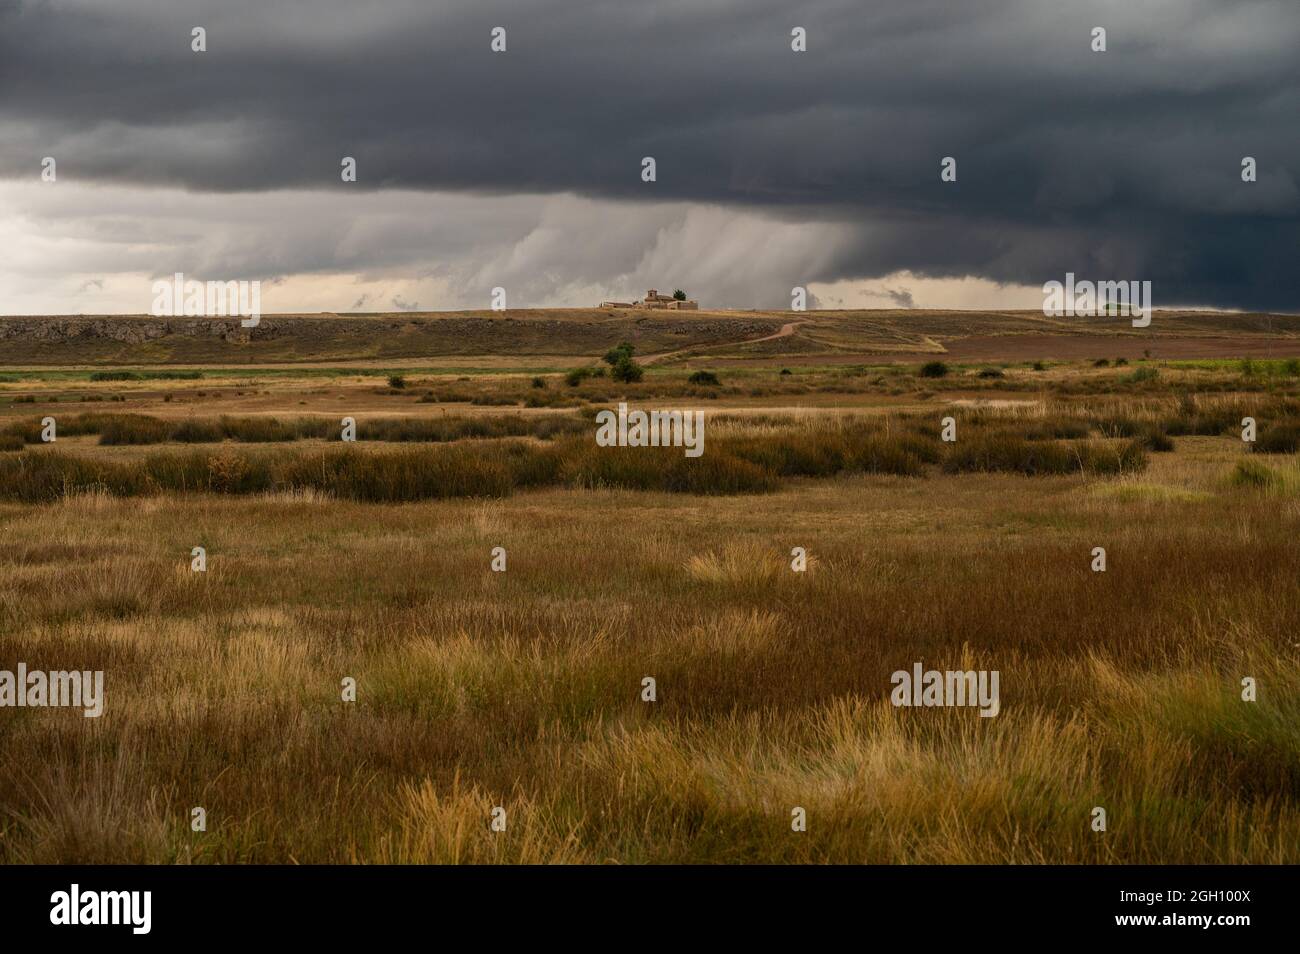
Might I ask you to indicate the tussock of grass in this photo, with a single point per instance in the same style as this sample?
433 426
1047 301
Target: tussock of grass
117 429
1256 475
1130 491
736 564
1008 452
1280 438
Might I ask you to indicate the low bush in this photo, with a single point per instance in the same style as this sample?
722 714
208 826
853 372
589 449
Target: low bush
627 371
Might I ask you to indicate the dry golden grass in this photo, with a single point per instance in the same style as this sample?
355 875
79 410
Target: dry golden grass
523 690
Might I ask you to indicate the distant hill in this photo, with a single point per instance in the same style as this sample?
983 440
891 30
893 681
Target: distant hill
810 337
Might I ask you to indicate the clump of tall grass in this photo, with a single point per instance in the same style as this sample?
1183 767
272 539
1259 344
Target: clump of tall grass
664 468
1142 375
739 563
1280 438
1156 440
390 476
1006 452
1056 427
1252 474
119 429
146 375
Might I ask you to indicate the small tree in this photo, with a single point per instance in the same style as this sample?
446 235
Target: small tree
622 352
626 370
679 294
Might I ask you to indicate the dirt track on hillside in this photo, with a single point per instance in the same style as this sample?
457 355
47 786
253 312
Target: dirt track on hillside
785 331
1055 347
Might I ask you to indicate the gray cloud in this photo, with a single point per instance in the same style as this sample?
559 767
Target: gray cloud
898 297
1122 164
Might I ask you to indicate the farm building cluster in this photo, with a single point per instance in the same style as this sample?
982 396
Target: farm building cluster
655 300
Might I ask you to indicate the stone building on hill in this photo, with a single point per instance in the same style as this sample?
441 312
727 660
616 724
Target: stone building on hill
655 300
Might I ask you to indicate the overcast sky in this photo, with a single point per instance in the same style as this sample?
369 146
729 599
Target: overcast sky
523 168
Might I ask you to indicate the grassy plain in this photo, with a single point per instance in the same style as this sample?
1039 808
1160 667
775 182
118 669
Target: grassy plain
523 689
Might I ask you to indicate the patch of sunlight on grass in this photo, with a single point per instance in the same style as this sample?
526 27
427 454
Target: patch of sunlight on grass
1135 491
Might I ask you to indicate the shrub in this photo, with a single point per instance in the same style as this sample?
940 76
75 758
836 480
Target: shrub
396 381
704 378
539 382
1142 375
934 369
1101 363
627 371
576 376
1039 366
619 353
785 371
990 373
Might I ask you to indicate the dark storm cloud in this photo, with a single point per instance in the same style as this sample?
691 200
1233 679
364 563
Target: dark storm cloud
1116 165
